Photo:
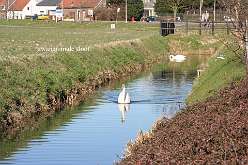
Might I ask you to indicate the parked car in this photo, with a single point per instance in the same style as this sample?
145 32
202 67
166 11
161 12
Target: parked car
228 19
178 19
151 19
43 17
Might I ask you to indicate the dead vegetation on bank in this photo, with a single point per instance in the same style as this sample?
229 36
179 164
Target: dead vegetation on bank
210 132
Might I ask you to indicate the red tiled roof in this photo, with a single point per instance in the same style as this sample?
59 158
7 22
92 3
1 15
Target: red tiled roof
79 3
18 5
2 2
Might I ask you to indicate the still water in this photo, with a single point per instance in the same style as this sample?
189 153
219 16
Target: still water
96 132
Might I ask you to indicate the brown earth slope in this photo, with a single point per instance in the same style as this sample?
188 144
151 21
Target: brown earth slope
211 132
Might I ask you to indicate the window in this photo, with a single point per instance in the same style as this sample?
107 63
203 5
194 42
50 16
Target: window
2 7
27 8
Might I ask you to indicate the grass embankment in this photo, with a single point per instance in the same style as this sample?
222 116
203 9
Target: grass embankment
219 74
34 82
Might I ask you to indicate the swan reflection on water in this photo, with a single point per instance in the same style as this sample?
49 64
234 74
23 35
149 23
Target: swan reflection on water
123 108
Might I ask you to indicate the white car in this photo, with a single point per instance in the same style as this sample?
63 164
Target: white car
228 19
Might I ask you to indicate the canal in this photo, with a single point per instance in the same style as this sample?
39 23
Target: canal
97 131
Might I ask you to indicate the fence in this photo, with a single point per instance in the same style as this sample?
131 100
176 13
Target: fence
167 27
219 16
210 27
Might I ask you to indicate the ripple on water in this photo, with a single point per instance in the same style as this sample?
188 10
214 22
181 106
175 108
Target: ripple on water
98 130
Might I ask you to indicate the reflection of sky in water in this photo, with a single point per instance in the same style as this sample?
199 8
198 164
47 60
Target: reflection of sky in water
165 91
96 134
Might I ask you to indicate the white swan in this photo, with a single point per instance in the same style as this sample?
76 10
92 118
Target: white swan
177 58
124 97
220 57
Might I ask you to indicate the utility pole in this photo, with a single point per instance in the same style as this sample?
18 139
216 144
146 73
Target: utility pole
201 4
200 25
214 11
117 11
126 11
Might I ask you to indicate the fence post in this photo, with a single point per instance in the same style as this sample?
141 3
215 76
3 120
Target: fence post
187 26
200 28
213 27
227 28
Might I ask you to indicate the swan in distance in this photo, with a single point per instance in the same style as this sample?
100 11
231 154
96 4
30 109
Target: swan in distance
124 97
177 58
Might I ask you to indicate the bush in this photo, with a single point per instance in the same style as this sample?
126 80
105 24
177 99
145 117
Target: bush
105 14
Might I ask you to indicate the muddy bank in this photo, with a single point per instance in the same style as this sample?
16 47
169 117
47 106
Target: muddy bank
210 132
13 123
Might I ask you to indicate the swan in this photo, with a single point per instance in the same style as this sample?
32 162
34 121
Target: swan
220 57
124 97
177 58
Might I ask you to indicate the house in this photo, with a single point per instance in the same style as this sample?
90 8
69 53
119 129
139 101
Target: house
2 9
48 7
2 4
21 9
80 10
149 8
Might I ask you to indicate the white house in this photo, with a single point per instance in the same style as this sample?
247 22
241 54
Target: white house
20 9
149 7
48 7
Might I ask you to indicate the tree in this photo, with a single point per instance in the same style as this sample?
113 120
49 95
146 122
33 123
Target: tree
116 2
171 6
238 12
194 4
135 8
161 7
175 5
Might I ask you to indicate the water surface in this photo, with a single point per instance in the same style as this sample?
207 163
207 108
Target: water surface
96 132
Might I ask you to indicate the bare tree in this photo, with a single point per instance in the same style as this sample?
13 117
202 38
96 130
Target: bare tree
238 16
175 5
6 7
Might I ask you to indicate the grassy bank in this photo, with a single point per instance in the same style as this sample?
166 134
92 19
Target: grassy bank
219 74
48 81
35 82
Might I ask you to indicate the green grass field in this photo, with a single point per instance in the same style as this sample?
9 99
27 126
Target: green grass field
24 39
